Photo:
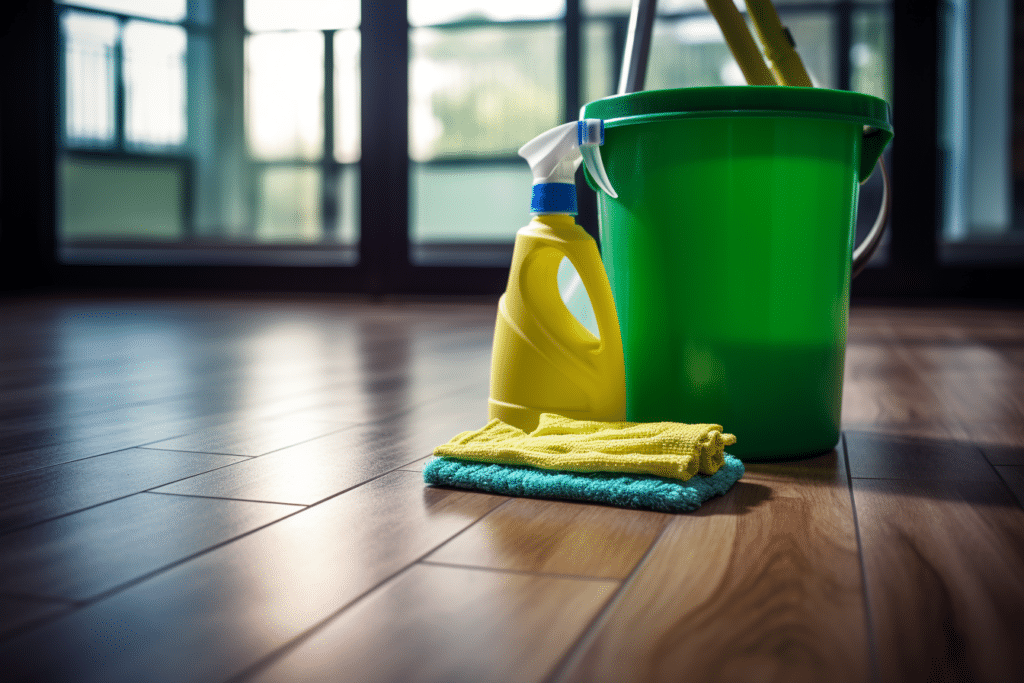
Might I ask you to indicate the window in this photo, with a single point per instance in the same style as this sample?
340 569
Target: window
980 222
211 132
484 77
302 119
229 131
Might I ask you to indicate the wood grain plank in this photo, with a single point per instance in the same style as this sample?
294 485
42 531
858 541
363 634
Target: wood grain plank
879 455
249 437
973 357
1013 476
556 537
893 405
72 439
1002 443
449 624
927 391
828 469
82 555
976 398
944 565
221 612
323 467
180 416
19 612
761 584
41 494
970 378
882 387
417 465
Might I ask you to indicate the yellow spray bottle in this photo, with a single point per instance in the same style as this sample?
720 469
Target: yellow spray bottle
544 360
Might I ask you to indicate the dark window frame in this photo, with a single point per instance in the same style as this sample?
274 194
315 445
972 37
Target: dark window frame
29 127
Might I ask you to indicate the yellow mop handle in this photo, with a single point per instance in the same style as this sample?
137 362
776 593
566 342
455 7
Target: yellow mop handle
741 43
778 44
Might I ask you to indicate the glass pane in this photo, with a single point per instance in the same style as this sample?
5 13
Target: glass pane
168 10
871 54
976 136
289 203
121 199
285 90
670 6
469 202
429 12
347 228
688 53
814 37
305 15
482 91
346 96
599 77
692 52
88 77
602 7
154 81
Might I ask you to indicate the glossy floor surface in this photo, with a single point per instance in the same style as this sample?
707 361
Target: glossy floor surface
230 490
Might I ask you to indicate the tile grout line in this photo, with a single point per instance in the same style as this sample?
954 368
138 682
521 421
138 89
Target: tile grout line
43 620
171 565
112 500
65 602
302 508
869 621
66 462
154 492
82 604
518 572
508 499
397 414
260 455
995 468
354 425
948 480
296 641
138 579
574 651
145 445
1006 485
175 450
399 468
148 445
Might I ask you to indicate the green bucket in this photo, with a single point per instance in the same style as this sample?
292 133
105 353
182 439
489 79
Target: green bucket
729 254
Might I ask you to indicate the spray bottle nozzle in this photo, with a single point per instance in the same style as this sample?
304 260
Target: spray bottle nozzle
555 155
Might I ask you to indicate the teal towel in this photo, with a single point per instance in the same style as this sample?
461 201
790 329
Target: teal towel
638 491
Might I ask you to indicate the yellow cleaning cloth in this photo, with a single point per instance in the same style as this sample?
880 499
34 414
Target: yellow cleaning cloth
665 449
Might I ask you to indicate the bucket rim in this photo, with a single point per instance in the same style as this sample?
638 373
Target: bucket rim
744 101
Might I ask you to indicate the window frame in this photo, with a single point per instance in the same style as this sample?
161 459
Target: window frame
30 154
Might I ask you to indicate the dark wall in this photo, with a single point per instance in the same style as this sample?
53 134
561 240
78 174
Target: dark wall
27 142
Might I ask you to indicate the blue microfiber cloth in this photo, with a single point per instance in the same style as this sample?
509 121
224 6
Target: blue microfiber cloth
643 492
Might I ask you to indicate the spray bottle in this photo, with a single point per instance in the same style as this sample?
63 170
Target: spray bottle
544 360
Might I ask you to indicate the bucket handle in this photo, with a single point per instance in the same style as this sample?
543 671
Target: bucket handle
863 253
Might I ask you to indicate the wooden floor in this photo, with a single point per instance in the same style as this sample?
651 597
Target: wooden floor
230 490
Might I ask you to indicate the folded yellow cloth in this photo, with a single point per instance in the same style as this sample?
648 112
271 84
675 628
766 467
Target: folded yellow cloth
665 449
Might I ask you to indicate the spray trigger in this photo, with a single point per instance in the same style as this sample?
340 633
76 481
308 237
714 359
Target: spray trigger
555 154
